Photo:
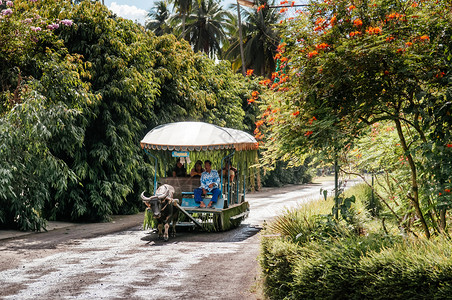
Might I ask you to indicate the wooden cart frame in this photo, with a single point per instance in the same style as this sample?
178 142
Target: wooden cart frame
195 140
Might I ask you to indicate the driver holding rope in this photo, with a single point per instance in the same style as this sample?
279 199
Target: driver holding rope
210 181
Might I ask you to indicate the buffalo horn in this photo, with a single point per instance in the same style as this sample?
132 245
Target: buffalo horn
144 197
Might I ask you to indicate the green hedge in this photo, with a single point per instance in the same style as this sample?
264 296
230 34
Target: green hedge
410 270
306 254
375 267
277 262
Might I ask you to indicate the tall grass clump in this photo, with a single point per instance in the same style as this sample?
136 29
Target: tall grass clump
371 203
305 223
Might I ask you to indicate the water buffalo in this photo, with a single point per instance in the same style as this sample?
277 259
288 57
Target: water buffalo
164 209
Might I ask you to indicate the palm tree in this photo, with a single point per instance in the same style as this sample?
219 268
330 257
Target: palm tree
159 17
206 25
260 39
231 46
183 7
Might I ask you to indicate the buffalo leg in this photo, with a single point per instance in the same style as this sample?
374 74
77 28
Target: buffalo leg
160 229
173 232
165 236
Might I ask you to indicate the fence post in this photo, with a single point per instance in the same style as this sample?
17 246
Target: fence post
336 191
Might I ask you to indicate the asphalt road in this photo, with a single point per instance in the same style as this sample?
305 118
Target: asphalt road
121 261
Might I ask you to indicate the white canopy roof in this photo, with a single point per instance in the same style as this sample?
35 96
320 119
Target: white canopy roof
189 136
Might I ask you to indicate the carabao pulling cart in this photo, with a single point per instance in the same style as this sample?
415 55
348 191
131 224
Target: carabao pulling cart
192 141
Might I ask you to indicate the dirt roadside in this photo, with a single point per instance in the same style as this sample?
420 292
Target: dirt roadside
57 234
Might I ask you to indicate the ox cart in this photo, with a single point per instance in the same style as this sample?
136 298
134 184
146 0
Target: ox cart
190 142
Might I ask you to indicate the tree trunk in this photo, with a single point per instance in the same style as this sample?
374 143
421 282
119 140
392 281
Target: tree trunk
336 189
183 26
242 55
414 186
442 225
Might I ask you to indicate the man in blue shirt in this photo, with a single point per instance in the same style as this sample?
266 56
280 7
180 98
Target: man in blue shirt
210 182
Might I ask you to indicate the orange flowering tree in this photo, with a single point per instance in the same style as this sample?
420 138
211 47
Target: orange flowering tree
353 64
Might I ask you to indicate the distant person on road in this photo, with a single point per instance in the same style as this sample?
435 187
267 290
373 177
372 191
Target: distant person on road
210 182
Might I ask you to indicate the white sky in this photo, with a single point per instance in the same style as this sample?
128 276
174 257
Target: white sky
137 10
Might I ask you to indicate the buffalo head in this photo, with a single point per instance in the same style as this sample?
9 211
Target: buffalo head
155 202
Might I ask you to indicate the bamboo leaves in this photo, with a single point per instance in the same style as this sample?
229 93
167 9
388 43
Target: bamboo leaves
84 97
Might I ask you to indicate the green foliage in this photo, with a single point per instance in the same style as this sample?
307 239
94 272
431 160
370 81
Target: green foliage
299 226
412 269
28 167
334 271
227 93
149 220
381 155
354 66
321 269
282 174
277 262
371 203
24 55
43 96
307 255
205 27
76 101
110 165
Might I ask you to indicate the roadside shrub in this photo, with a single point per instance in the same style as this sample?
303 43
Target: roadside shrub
277 262
377 266
300 227
312 222
417 269
332 270
320 269
308 255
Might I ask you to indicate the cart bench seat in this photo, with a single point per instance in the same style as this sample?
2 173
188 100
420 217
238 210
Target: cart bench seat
188 200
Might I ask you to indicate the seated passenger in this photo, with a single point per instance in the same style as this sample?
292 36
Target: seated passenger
179 170
232 171
197 170
210 182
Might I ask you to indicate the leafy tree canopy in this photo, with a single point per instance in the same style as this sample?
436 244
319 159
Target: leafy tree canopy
80 90
345 66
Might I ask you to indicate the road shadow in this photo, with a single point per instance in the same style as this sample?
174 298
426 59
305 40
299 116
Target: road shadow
239 234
